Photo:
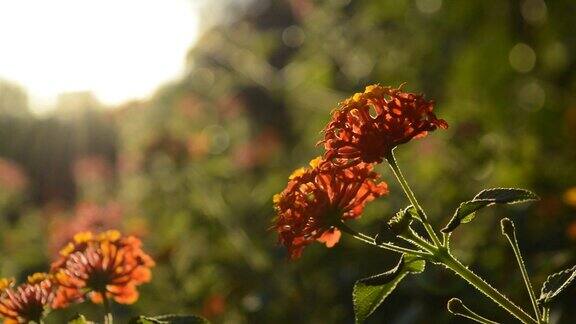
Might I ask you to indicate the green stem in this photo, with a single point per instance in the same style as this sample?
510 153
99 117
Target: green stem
108 318
545 315
413 237
510 232
456 307
445 239
441 253
423 218
452 263
367 239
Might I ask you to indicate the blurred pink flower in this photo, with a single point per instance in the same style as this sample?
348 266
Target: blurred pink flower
129 163
92 168
301 8
12 176
190 106
87 216
230 106
258 151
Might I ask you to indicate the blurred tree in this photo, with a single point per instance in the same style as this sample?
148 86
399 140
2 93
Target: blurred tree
13 100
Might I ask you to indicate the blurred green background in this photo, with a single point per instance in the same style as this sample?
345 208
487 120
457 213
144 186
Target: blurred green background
192 170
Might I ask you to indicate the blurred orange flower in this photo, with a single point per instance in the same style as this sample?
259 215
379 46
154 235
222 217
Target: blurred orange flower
570 197
214 306
101 265
571 231
318 198
27 302
367 126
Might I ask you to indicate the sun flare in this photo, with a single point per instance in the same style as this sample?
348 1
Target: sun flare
118 50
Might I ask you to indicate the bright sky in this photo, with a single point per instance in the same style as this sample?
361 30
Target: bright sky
118 49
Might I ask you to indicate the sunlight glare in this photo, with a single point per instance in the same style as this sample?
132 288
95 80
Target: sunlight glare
119 50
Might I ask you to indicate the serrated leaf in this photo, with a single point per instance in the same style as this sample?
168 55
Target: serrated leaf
555 284
506 195
370 292
169 319
466 212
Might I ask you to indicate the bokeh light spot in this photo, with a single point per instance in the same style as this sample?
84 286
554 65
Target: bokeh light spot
428 6
522 58
293 36
531 96
534 11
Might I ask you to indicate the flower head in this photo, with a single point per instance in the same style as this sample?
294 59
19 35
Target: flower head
367 126
101 265
27 302
319 198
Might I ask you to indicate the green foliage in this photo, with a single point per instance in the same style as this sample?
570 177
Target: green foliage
80 319
397 225
466 212
555 284
402 220
205 214
169 319
370 292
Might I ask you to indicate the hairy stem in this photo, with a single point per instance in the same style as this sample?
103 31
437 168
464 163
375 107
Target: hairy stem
545 315
510 232
108 318
412 237
367 239
423 218
456 307
452 263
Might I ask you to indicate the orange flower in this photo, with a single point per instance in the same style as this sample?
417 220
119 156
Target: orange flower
94 265
27 302
318 198
367 126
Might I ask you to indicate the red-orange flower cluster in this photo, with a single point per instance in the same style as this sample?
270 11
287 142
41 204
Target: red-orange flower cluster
319 198
367 126
97 265
27 302
363 131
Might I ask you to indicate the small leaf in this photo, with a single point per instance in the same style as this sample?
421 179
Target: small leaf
555 284
370 292
169 319
402 220
467 210
79 319
506 195
414 264
396 225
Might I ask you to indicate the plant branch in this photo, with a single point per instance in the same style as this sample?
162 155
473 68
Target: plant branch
387 246
456 307
108 318
423 218
510 232
452 263
412 237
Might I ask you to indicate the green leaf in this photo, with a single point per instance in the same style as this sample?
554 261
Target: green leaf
467 210
169 319
555 284
397 225
370 292
79 319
